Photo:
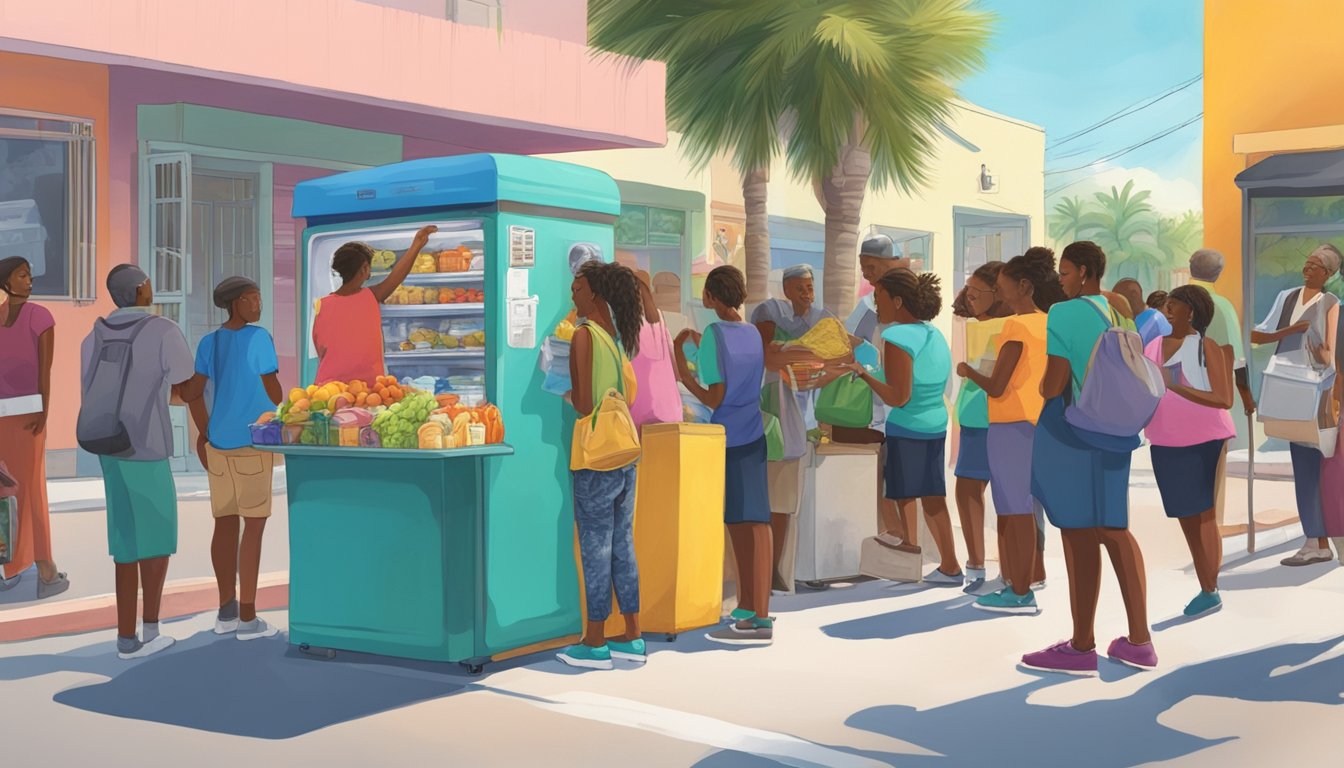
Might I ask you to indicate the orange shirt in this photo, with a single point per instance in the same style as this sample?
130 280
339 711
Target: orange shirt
348 334
1021 399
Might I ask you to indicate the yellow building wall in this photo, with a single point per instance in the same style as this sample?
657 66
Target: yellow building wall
1013 150
1268 66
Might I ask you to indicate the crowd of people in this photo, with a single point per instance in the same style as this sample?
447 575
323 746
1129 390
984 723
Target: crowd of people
1033 328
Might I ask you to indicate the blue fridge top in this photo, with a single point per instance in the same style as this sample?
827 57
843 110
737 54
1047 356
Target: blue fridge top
461 180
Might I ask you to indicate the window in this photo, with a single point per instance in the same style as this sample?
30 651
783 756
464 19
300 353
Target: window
478 13
47 200
639 225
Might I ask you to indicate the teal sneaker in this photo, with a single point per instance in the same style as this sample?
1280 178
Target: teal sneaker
631 651
740 615
586 657
1204 602
1008 601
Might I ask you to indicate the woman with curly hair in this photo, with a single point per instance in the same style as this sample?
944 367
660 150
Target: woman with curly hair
917 363
607 297
1190 429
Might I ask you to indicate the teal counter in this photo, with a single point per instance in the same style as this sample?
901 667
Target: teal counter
387 551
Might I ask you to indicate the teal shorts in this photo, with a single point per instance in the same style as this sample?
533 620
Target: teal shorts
141 509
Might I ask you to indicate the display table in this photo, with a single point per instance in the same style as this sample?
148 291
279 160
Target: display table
838 511
386 551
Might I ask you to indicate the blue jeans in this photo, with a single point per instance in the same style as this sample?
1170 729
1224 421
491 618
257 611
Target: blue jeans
604 508
1307 484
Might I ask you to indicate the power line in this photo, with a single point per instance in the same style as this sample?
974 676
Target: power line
1137 106
1132 147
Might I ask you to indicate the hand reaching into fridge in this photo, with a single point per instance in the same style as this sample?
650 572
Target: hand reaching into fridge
402 268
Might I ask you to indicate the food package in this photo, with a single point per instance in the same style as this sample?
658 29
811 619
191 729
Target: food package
268 433
427 335
291 434
804 376
348 424
430 436
369 438
425 263
317 431
461 429
828 339
445 295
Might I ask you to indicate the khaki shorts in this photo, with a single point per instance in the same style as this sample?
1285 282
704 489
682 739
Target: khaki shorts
240 481
785 479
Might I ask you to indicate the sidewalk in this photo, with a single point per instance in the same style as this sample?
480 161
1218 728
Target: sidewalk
79 536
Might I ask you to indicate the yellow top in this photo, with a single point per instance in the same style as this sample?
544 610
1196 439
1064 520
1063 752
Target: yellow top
1021 399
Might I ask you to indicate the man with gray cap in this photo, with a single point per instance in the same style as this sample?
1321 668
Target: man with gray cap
1206 266
780 321
240 363
137 480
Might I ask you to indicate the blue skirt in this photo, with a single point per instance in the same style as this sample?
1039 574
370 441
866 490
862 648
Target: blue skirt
746 486
973 454
1080 485
915 467
1187 476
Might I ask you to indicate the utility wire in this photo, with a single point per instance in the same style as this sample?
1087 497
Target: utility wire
1131 148
1137 106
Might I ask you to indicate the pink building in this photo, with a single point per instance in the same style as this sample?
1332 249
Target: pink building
172 136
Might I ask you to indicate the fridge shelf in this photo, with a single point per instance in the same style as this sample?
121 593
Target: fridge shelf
476 353
435 278
432 310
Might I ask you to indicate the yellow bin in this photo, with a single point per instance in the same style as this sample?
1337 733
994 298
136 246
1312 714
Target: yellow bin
679 538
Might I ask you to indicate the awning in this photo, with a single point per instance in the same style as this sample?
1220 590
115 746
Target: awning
1295 173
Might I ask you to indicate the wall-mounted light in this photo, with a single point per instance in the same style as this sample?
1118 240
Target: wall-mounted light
987 182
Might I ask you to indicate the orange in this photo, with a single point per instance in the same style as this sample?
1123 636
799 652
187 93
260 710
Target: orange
374 399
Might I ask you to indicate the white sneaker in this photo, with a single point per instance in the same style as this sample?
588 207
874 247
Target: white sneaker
1037 586
162 642
225 626
255 629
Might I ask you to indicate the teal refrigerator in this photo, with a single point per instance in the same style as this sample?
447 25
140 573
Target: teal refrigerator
455 555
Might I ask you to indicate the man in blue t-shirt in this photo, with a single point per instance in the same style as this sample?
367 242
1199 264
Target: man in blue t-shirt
239 363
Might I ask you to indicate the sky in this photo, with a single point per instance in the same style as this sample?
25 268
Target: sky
1067 65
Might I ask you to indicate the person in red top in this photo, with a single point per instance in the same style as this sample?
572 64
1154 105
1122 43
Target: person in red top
348 329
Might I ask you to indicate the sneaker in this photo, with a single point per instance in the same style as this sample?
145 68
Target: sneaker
1137 656
255 629
586 657
52 588
937 578
8 584
631 651
132 648
226 620
758 632
1008 601
1204 602
1062 657
975 580
1037 586
1309 555
988 587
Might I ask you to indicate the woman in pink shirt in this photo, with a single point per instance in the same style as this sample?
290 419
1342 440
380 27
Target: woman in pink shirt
1189 430
27 338
348 327
657 399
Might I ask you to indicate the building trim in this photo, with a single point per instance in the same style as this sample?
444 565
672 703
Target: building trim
1291 140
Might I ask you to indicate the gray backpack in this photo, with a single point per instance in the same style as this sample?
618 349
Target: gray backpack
100 429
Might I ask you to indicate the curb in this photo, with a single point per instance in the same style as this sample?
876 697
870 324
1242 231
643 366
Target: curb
185 597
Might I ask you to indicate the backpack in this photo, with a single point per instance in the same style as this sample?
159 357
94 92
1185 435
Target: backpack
607 439
100 430
1122 386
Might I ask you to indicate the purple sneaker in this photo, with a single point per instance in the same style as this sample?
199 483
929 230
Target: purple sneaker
1137 656
1064 658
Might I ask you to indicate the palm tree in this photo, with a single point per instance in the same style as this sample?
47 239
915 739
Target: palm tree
1124 226
866 86
723 96
1066 221
855 88
1178 237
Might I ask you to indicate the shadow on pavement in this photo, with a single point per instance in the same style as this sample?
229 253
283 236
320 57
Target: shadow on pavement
1105 733
912 621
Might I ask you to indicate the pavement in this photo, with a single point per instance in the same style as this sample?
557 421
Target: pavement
863 674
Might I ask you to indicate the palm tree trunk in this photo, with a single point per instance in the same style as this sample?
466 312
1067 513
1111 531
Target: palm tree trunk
841 196
756 240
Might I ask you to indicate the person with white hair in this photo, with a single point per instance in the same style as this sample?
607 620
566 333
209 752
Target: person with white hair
1303 324
780 321
1206 267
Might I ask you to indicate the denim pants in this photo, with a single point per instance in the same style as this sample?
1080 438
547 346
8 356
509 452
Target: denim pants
604 509
1307 484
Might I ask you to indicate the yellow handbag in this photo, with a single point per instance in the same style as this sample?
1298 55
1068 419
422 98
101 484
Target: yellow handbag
607 439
